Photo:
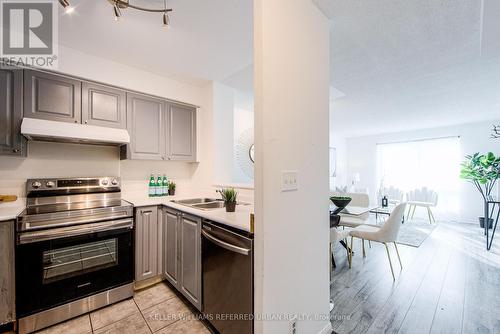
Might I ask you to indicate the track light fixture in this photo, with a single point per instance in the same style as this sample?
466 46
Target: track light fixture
117 12
166 18
67 7
118 5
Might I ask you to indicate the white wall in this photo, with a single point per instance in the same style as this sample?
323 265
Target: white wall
342 177
243 122
223 124
58 160
291 51
474 137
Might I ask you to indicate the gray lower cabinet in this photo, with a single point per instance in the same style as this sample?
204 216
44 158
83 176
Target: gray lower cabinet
146 243
182 253
104 106
170 221
52 97
145 125
181 133
7 279
11 112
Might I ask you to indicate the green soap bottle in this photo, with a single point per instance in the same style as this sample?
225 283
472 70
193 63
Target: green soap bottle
159 191
152 186
164 185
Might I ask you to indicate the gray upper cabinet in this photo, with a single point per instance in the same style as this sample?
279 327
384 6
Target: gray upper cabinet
190 272
104 106
146 243
11 112
181 134
52 97
145 125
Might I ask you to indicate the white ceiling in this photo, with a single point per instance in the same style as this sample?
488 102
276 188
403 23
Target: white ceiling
413 64
395 64
208 40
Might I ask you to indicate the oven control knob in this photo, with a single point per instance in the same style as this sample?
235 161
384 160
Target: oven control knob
36 185
104 182
114 182
50 184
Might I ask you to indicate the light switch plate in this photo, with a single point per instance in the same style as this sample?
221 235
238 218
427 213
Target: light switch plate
289 180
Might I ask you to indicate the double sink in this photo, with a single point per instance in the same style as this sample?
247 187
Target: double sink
204 203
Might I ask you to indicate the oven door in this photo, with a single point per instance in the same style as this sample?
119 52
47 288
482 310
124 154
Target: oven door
60 265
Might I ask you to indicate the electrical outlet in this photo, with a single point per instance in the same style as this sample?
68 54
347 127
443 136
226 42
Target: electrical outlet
293 325
289 180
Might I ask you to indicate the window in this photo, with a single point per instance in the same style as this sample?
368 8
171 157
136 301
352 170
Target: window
431 163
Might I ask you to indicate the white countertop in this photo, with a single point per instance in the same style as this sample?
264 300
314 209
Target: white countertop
239 219
10 210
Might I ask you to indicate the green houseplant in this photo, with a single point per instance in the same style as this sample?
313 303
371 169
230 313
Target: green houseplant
482 170
171 188
229 196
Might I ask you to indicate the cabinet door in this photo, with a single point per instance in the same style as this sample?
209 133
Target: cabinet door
181 134
190 273
104 106
52 97
7 279
11 112
145 125
146 243
171 246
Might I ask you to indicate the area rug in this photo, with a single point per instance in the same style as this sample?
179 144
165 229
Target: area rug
414 232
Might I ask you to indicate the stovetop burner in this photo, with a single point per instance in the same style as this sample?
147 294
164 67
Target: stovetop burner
64 202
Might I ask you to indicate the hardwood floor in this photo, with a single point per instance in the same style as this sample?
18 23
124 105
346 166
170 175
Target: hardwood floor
450 284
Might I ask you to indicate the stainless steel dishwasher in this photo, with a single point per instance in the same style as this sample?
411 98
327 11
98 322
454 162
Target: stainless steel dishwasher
227 279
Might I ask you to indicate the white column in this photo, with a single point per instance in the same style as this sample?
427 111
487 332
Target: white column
291 85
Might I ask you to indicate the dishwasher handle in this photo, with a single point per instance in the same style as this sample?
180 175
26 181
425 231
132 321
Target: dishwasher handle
226 245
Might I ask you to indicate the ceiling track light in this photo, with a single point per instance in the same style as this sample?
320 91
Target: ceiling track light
67 7
118 5
166 18
117 12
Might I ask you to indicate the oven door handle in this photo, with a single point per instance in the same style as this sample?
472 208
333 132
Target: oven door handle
70 231
225 245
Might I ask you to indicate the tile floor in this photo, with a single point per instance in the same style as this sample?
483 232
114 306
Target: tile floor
156 309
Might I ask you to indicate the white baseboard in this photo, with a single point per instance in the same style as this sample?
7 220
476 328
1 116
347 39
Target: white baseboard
327 329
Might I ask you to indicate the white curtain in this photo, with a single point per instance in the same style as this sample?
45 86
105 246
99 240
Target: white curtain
431 163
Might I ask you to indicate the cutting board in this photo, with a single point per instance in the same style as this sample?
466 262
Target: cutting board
7 198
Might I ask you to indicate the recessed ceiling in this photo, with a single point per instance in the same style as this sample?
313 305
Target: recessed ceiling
208 40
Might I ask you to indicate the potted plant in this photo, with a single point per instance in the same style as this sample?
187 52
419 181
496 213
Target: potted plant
171 188
482 170
229 196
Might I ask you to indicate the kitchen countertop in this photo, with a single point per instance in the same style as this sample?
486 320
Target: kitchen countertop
10 210
239 219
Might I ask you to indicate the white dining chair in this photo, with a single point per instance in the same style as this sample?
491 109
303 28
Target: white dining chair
337 235
357 199
423 197
394 195
384 234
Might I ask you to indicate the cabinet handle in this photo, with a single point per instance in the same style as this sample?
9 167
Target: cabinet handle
15 150
86 122
147 211
76 121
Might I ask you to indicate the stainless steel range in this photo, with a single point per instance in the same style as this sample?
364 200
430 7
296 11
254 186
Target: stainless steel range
74 250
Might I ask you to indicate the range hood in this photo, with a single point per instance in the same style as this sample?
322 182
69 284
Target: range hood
43 130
